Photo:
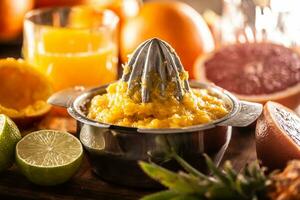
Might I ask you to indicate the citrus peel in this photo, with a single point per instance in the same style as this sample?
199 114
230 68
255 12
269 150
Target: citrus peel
23 90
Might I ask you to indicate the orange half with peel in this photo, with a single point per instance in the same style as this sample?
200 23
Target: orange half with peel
23 91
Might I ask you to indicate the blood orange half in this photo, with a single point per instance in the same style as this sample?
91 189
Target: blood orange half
256 72
277 136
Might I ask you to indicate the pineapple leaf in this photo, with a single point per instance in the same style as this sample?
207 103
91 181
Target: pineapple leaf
187 167
219 191
164 195
228 169
229 173
250 184
215 171
187 197
252 180
186 184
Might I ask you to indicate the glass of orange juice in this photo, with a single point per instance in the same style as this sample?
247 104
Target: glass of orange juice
73 46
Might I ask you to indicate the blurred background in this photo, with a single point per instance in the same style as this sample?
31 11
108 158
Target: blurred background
13 11
274 15
86 42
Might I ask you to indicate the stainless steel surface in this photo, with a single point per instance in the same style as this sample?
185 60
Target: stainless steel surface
247 114
154 65
241 113
114 151
65 97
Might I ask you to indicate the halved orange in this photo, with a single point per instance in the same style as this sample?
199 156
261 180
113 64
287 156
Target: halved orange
23 90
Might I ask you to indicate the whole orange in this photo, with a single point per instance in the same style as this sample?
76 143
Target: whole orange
11 17
175 22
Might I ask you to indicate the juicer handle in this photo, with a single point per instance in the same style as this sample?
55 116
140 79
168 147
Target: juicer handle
65 98
247 113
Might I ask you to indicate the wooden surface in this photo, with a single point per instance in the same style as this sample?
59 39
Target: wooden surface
85 184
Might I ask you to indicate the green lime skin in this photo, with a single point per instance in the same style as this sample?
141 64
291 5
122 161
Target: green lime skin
9 137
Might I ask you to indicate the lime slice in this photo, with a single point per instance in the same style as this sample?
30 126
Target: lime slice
9 136
49 157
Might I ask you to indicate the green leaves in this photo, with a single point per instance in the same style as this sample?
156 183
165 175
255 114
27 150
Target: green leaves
169 194
181 182
220 185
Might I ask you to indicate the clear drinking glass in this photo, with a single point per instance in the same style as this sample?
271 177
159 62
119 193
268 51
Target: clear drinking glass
73 46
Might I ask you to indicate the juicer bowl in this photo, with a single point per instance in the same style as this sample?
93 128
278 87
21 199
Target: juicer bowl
114 151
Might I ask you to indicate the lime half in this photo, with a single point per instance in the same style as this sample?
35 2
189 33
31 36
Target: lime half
49 157
9 136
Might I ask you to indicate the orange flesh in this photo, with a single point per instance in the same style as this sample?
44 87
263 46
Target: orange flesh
116 107
20 88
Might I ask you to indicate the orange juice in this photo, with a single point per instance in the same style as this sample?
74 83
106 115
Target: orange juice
69 52
71 57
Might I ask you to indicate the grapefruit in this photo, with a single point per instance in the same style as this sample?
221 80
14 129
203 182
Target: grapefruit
277 136
175 22
256 72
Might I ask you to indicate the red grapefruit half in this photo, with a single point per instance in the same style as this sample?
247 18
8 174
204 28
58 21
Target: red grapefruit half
257 72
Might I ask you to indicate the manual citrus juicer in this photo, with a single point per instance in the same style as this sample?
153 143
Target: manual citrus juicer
155 63
153 71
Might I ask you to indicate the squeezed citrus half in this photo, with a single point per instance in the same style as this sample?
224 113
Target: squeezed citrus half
49 157
23 90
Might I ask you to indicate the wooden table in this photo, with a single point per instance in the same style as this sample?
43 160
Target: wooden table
85 184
